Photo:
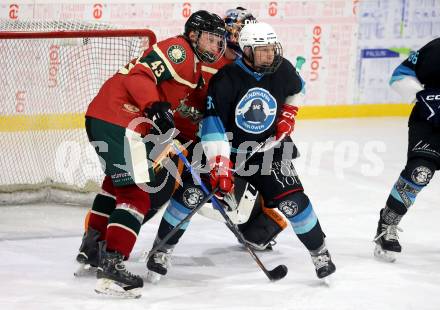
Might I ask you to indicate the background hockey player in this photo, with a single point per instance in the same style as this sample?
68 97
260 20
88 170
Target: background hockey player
264 74
151 85
416 79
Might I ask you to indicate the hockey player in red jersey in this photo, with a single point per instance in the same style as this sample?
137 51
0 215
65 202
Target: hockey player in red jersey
261 225
152 86
190 109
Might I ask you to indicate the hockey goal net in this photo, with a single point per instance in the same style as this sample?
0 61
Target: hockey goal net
50 71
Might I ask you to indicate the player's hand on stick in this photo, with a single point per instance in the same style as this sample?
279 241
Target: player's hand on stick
222 175
162 116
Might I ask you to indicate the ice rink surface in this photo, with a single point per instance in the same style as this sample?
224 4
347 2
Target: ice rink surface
347 168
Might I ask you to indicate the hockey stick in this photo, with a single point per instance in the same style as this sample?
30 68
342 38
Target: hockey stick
176 145
163 241
278 272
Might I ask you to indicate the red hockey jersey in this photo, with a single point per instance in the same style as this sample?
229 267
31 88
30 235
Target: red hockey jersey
167 71
191 109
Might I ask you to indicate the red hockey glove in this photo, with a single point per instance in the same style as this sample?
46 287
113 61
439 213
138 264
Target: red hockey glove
221 174
286 121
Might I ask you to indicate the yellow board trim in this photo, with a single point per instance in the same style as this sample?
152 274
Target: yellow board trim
13 123
358 110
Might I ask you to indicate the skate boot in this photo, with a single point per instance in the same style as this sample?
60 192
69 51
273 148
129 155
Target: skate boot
158 265
322 260
88 257
114 279
387 243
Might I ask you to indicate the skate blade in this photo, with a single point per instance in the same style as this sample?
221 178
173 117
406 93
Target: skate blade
144 257
85 270
153 277
257 247
112 288
327 281
384 255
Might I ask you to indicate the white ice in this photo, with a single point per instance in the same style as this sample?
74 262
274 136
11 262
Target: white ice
211 271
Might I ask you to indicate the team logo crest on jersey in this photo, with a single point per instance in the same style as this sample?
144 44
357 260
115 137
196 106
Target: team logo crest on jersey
176 53
256 111
421 175
192 196
289 208
130 108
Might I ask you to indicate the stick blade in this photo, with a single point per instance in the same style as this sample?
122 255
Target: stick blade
278 273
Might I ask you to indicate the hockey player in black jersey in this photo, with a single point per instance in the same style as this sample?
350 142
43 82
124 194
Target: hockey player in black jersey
266 81
416 79
259 225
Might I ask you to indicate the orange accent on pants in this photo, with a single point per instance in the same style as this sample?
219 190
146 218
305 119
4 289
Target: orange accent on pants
274 215
86 220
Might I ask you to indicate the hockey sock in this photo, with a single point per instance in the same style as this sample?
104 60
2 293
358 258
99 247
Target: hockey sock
416 175
132 203
102 207
299 211
173 215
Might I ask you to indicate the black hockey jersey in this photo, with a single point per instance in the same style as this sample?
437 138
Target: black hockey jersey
245 104
423 64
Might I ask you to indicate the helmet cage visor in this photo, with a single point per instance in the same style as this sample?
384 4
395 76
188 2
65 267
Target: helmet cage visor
265 58
209 46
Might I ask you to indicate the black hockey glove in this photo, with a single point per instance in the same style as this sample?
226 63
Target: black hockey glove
162 116
429 105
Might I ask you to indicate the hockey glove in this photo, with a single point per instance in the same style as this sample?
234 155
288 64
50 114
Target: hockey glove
429 104
162 116
286 121
221 174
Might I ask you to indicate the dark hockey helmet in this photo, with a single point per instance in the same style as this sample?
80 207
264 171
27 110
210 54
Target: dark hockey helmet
235 19
202 22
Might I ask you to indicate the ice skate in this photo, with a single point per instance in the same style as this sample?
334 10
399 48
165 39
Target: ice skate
114 279
88 257
387 243
158 265
324 265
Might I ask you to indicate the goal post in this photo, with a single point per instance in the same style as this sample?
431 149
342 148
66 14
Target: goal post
50 72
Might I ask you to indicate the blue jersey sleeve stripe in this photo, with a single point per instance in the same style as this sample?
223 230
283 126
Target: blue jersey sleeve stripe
303 85
214 137
212 125
400 72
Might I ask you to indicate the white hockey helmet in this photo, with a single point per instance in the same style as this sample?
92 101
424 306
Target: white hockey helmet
260 34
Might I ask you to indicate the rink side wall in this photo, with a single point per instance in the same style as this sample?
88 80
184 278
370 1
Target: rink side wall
351 47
